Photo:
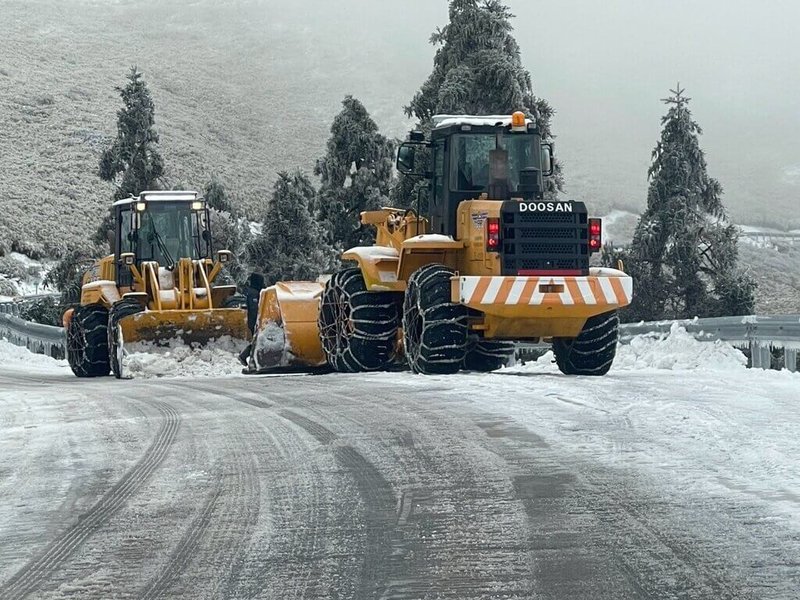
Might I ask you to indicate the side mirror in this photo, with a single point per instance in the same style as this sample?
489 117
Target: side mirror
405 158
224 256
206 235
127 258
547 160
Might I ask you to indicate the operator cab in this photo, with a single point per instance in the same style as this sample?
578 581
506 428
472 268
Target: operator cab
160 226
500 156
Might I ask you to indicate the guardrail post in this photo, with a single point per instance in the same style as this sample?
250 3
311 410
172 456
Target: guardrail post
790 359
761 356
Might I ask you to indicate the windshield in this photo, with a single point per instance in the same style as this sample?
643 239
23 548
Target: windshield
169 231
472 158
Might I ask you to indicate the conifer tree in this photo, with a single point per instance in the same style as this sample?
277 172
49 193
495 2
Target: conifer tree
356 175
291 245
216 196
132 162
477 69
684 253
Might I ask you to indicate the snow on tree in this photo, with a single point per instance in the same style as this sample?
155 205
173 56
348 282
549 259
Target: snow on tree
356 175
229 231
216 195
132 162
478 70
684 253
291 245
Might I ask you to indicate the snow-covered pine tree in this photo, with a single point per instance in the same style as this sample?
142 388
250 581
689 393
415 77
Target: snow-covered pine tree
356 175
291 245
478 70
229 231
132 162
216 195
684 252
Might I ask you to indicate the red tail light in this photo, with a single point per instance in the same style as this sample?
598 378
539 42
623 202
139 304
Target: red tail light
595 235
493 235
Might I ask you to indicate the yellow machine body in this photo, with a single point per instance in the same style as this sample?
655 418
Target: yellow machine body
181 303
287 333
511 307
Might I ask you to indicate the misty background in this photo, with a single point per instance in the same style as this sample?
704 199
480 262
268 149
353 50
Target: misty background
245 88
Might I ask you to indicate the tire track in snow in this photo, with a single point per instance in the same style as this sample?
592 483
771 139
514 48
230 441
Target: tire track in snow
225 524
184 552
30 577
380 507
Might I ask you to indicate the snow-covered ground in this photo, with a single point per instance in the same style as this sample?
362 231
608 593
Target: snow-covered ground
32 282
674 476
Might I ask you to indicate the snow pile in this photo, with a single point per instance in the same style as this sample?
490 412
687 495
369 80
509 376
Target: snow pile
146 360
11 355
678 351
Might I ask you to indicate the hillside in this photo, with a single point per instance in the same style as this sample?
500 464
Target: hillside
242 90
245 88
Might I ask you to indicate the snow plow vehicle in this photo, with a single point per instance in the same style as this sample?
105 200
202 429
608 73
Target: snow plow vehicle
158 286
493 263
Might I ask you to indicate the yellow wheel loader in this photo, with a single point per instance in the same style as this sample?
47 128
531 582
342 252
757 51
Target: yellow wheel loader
159 285
492 264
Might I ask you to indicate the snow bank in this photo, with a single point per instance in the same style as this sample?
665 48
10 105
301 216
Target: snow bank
676 351
145 360
12 355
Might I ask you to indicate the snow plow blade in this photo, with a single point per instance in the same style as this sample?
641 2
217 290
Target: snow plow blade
193 327
287 333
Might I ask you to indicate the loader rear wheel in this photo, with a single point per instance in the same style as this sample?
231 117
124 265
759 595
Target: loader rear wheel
124 308
489 355
357 328
434 328
593 351
87 341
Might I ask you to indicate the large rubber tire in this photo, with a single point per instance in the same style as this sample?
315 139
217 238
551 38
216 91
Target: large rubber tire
489 355
87 341
124 308
358 328
434 328
593 351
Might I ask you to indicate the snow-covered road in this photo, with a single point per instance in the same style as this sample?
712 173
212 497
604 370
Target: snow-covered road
647 483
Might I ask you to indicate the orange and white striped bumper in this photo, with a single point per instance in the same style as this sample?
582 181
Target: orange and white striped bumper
603 289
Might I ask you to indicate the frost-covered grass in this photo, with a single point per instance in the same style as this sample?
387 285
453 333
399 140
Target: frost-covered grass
232 85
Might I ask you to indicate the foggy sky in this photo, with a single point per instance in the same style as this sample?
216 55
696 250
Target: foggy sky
605 66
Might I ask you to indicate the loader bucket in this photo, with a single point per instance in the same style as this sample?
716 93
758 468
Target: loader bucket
193 327
287 334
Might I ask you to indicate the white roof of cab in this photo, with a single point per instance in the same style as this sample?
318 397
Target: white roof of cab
476 120
161 196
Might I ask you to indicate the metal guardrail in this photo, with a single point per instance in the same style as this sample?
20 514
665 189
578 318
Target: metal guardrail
757 334
39 339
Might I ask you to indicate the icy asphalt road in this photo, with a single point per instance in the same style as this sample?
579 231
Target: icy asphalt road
653 484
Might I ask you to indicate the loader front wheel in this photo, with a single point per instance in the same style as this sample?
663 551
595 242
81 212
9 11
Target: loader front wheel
357 327
434 328
593 351
87 341
489 355
124 308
